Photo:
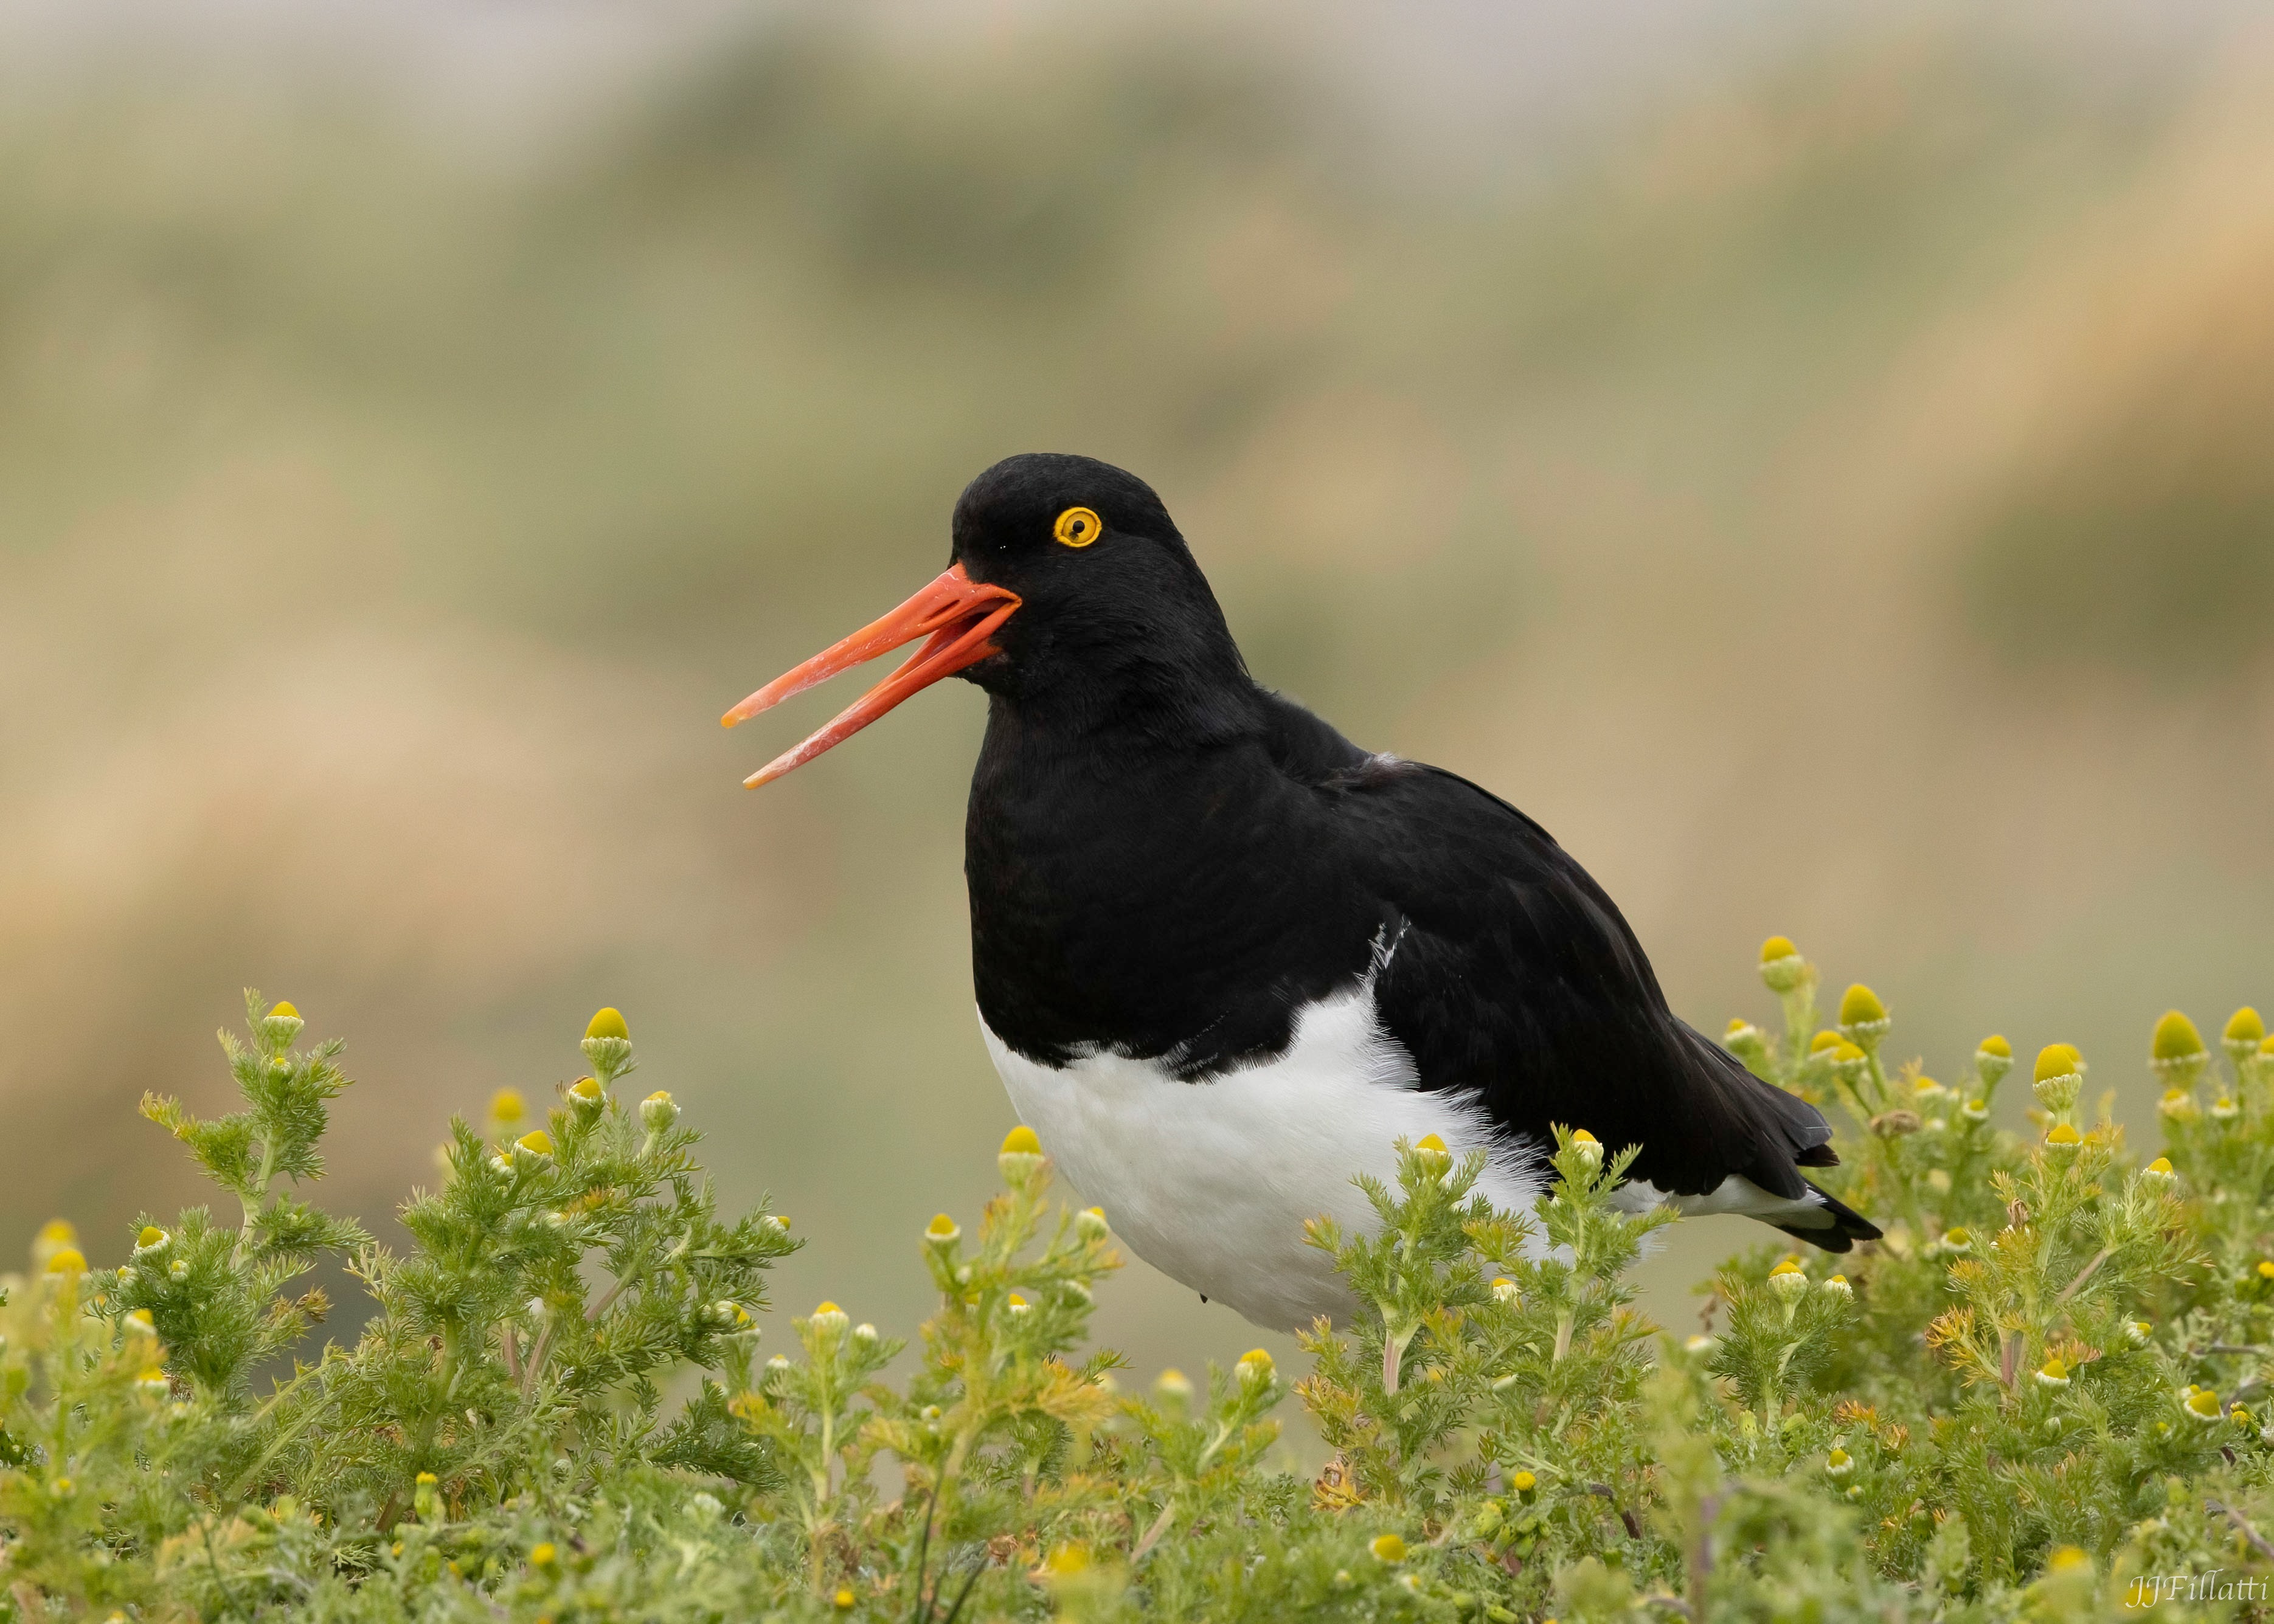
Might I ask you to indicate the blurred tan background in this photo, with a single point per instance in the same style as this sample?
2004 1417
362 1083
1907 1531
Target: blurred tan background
1817 464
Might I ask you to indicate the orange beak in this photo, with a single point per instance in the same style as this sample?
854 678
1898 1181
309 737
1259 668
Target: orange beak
955 615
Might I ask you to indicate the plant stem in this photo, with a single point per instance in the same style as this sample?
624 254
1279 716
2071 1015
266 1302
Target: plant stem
1153 1534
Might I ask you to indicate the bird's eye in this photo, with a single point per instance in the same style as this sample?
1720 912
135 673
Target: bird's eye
1078 527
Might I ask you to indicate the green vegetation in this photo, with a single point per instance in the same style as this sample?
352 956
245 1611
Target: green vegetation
2033 1398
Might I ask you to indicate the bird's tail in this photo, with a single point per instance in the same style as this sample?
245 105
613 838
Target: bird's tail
1825 1222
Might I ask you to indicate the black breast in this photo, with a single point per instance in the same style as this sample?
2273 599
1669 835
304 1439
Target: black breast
1159 900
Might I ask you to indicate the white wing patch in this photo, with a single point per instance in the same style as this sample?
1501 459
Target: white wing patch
1734 1194
1210 1181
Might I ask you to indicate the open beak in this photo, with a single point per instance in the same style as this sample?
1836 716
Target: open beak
955 615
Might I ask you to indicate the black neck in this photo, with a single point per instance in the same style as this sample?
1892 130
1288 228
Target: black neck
1151 877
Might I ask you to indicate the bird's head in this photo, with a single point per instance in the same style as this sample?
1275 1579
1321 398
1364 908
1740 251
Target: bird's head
1070 590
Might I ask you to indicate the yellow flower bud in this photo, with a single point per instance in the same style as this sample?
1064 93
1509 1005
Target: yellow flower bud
278 1028
506 1105
830 1320
586 1094
1788 1281
2178 1104
1745 1041
66 1260
2067 1559
1524 1483
1957 1239
2063 1137
1588 1149
1860 1009
1837 1284
152 1238
1255 1368
608 1023
2225 1109
1435 1158
1782 968
2159 1171
1022 1156
1839 1463
2202 1404
537 1142
2175 1041
543 1555
2058 1076
942 1229
1824 1040
1173 1384
2052 1373
1388 1548
1504 1290
2244 1031
844 1599
658 1111
1090 1224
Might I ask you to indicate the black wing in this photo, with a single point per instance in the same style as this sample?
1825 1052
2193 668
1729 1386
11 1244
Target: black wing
1510 973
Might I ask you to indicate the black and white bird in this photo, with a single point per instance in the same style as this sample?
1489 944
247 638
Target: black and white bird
1225 956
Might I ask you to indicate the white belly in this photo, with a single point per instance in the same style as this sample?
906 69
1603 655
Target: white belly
1211 1183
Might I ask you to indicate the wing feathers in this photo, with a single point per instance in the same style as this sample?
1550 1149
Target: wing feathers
1517 977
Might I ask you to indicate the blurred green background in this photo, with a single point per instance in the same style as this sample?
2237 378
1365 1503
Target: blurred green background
1818 463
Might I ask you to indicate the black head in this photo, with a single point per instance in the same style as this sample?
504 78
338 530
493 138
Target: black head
1071 597
1114 612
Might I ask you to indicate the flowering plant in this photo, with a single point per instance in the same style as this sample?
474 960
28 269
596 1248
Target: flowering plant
2037 1397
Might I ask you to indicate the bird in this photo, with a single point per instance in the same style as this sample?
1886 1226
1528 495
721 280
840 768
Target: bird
1224 960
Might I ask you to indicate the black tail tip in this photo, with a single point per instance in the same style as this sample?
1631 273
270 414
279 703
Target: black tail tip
1848 1226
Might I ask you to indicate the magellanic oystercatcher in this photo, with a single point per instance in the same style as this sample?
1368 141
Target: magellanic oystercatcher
1225 956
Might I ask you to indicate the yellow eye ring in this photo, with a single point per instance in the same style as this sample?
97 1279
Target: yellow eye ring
1078 527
